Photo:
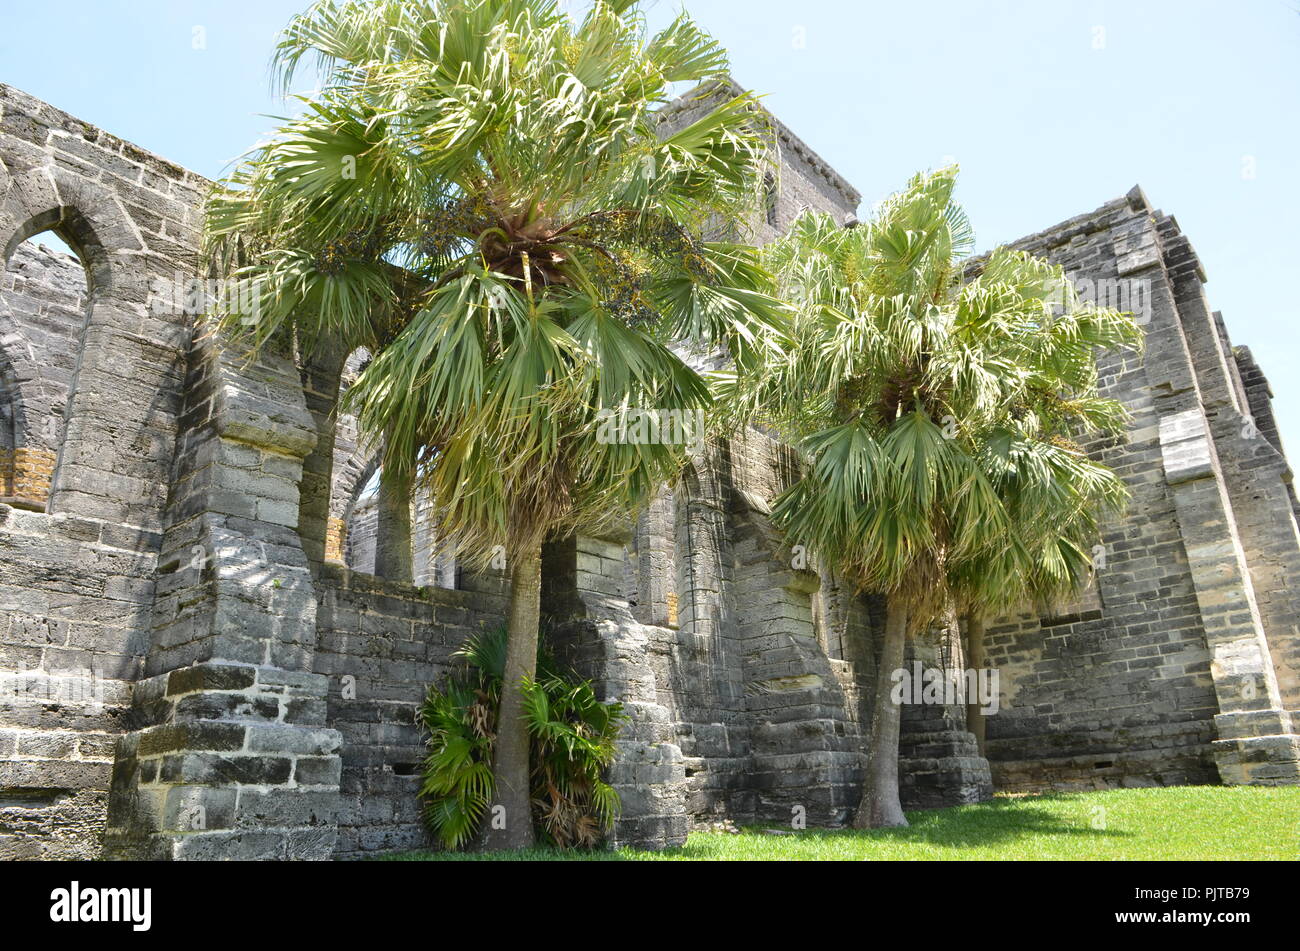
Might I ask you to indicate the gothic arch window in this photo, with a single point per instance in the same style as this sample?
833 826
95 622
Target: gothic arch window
360 523
431 563
98 463
44 299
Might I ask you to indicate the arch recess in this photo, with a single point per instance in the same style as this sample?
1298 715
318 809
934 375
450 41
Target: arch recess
105 460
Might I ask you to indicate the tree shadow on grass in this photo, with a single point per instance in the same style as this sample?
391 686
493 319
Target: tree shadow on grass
516 855
997 822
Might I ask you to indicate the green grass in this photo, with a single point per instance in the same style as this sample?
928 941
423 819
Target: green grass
1186 822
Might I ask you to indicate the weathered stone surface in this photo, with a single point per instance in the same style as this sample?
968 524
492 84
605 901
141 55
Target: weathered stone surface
197 661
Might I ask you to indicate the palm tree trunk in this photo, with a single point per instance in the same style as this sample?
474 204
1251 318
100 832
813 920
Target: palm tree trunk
975 661
880 806
393 526
509 822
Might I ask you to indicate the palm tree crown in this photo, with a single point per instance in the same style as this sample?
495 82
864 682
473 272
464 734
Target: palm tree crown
479 195
938 413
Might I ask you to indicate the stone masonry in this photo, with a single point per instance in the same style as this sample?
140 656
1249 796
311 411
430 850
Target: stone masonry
197 660
1182 668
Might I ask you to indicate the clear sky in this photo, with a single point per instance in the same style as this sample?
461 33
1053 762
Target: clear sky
1051 108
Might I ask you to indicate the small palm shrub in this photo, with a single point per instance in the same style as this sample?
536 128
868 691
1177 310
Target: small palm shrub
572 739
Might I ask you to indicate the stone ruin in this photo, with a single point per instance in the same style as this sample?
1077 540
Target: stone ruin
197 660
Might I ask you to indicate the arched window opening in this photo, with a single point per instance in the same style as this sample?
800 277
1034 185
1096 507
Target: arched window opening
383 529
432 564
361 527
44 296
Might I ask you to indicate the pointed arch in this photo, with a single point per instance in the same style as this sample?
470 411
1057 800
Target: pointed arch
43 301
112 447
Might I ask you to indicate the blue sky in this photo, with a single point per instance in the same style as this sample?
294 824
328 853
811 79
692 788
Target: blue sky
1051 108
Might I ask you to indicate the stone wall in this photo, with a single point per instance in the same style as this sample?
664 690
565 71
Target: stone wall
380 645
94 372
188 670
748 673
797 179
1193 583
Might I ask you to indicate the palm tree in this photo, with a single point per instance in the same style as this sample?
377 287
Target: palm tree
918 398
479 194
1053 493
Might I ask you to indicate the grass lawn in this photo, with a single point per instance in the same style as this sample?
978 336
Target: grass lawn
1186 822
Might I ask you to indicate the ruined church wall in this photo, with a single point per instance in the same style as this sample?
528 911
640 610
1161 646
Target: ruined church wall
1120 688
762 675
381 645
1094 696
95 397
169 571
728 650
764 667
163 536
